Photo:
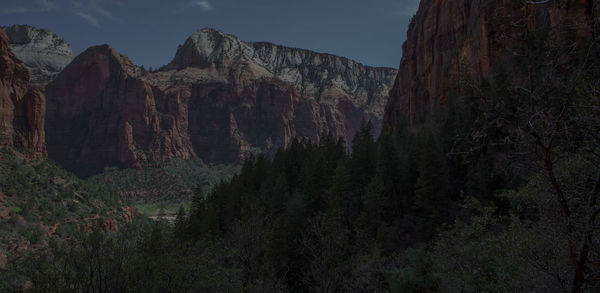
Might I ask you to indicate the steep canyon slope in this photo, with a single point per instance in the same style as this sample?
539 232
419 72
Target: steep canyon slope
22 108
219 99
450 42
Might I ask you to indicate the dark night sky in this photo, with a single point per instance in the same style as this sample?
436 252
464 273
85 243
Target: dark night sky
148 31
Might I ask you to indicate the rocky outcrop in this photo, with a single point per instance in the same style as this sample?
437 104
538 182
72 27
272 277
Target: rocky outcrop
260 95
219 99
45 54
100 113
450 41
313 74
22 108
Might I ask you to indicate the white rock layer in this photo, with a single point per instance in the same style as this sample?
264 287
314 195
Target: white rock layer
44 53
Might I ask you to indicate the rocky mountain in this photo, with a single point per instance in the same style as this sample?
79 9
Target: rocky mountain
45 54
22 108
321 76
219 99
450 41
111 116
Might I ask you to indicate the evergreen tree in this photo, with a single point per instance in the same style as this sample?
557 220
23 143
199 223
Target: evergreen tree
277 195
180 224
294 156
431 194
375 206
363 163
338 196
363 156
197 206
198 215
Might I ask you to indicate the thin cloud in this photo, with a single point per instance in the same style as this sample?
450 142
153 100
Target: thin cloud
89 19
204 5
14 10
106 13
95 7
45 5
93 12
34 6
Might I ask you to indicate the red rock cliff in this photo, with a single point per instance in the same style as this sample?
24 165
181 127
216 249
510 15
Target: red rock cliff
22 108
450 40
219 99
100 113
259 96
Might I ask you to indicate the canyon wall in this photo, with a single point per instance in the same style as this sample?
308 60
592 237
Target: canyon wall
450 42
22 108
220 99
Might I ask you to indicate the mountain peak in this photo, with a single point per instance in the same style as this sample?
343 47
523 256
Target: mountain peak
219 99
210 48
208 30
204 34
44 53
24 34
103 49
108 57
207 47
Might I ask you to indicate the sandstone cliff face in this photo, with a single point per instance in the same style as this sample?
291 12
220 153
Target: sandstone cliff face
100 113
313 74
462 39
22 108
44 53
219 99
260 95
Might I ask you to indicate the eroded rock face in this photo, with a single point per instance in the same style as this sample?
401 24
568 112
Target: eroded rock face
219 99
261 95
100 113
22 108
44 53
313 74
463 39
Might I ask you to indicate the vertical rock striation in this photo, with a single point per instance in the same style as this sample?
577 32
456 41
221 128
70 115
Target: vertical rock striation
219 99
22 108
272 93
100 113
450 41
